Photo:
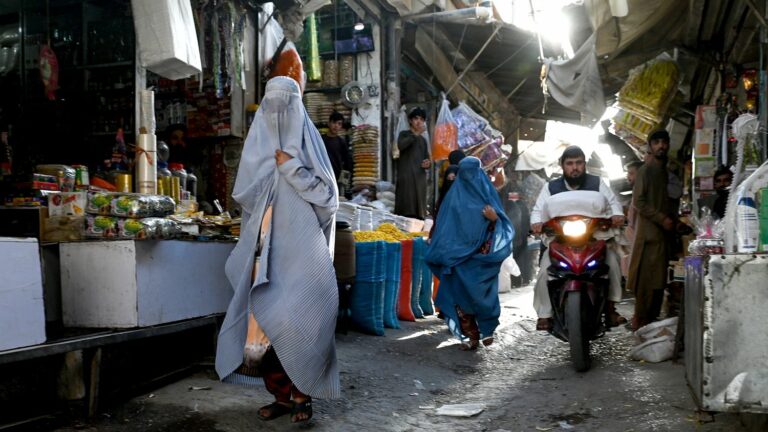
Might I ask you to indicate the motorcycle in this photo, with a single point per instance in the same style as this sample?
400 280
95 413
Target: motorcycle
578 283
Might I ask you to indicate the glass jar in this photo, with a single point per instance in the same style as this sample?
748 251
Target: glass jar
177 170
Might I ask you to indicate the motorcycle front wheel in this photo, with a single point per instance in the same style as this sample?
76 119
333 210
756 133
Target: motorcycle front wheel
576 338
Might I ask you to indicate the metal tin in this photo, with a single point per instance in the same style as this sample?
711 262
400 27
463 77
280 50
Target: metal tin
160 186
176 189
124 182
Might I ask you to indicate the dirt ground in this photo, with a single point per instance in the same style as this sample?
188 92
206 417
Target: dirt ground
525 382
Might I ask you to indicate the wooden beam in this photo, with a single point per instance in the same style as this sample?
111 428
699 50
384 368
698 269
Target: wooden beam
487 98
439 62
757 13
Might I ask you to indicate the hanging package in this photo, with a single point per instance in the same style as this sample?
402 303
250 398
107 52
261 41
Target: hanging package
402 125
446 133
166 37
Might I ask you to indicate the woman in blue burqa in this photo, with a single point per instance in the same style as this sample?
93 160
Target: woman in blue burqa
471 239
282 267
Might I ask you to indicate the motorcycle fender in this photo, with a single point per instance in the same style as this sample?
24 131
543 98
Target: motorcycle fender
572 285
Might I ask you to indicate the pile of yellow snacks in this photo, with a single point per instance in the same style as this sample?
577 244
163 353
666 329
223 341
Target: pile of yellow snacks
386 232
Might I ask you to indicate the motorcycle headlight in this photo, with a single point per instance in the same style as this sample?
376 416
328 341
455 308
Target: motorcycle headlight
574 228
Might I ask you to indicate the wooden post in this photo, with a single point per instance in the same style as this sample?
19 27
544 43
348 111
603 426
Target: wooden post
71 385
95 377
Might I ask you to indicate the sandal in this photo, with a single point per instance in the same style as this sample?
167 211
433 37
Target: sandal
275 410
301 408
469 346
468 327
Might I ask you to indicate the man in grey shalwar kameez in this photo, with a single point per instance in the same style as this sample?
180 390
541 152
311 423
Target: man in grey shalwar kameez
293 294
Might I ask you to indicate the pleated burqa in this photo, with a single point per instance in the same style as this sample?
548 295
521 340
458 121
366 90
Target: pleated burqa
294 294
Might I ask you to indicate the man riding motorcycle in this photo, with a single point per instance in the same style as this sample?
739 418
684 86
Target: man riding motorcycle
575 177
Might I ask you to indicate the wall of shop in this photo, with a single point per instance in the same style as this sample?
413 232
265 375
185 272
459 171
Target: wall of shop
369 74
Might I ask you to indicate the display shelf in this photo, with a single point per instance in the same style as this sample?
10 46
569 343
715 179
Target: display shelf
91 338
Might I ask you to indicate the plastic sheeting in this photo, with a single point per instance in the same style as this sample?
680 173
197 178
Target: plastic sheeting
576 83
166 37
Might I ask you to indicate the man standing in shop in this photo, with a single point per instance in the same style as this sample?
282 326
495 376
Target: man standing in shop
718 202
411 197
337 148
628 236
647 275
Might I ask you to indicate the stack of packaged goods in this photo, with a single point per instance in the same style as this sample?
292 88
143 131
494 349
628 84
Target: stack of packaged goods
346 69
349 213
313 102
366 219
365 153
645 100
385 193
330 73
324 111
342 109
120 216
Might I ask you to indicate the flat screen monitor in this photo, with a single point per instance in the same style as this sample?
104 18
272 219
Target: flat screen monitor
351 41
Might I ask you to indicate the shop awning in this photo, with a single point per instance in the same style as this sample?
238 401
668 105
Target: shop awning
703 31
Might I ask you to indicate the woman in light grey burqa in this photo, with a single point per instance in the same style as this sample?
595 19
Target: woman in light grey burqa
286 187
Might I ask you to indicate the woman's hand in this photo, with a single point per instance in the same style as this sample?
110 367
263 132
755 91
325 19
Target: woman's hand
282 157
490 213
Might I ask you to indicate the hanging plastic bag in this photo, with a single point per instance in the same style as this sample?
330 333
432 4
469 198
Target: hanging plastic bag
471 126
402 125
166 37
49 71
446 133
287 62
277 55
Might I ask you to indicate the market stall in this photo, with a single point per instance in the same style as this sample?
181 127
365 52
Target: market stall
124 181
725 298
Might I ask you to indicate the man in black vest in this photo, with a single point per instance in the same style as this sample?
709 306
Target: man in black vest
575 177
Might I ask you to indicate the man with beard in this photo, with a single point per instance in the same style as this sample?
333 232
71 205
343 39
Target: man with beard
718 202
575 177
647 268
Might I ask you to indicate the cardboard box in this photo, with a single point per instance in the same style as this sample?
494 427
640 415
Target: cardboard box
23 221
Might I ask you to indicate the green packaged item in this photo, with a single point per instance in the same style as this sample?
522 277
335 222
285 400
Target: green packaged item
99 203
101 227
147 228
129 205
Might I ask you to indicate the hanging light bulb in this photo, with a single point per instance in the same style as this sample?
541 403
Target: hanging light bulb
359 26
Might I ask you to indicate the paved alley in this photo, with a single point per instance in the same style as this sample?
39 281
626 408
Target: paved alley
524 382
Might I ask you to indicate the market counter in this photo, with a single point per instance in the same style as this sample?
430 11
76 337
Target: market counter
726 345
21 293
123 284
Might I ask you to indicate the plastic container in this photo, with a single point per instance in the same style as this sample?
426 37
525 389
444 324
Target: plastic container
177 170
747 225
192 185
